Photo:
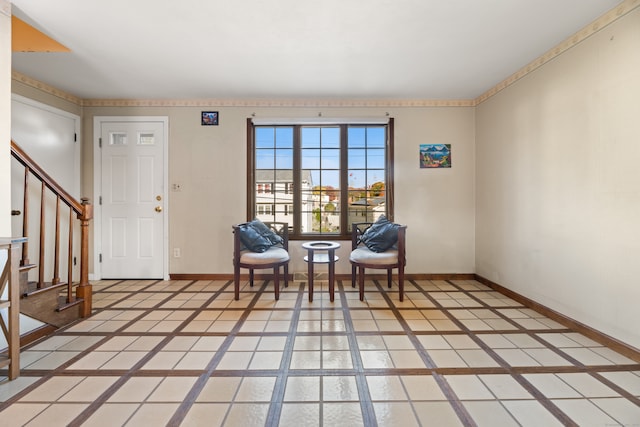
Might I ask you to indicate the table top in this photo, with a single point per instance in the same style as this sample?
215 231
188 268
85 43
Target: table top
320 245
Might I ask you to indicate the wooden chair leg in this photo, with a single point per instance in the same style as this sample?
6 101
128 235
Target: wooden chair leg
361 282
286 275
401 281
353 275
276 281
251 277
236 282
389 277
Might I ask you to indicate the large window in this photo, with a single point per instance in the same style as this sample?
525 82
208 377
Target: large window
320 178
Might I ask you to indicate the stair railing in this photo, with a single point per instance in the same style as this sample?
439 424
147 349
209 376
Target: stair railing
83 212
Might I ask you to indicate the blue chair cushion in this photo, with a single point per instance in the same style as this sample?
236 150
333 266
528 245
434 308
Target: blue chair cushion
257 237
267 232
381 235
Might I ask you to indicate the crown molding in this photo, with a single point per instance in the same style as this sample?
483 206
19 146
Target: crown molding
274 103
589 30
36 84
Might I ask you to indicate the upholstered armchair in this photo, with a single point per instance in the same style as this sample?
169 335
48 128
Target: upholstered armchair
260 245
378 246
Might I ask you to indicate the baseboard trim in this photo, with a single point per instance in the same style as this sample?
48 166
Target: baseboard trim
600 337
206 276
383 276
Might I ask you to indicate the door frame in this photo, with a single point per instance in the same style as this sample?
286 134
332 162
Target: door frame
97 189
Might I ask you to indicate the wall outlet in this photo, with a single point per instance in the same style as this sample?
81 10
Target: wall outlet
176 253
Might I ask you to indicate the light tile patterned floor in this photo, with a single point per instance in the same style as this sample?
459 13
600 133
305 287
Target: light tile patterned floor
453 353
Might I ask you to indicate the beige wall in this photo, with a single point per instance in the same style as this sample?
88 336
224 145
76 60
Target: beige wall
5 118
558 183
209 163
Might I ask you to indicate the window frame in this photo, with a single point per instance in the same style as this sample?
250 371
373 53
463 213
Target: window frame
295 228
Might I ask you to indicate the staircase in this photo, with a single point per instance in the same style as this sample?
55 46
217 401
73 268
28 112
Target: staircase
49 290
48 304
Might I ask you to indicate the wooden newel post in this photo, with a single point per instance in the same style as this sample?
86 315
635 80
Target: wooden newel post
84 290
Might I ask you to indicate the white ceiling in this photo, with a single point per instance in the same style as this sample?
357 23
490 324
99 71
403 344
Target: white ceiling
326 49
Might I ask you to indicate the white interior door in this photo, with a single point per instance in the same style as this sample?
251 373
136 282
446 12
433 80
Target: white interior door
132 201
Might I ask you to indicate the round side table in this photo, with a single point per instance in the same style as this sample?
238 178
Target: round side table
326 255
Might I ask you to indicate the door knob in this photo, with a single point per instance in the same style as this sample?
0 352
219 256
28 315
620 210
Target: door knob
158 208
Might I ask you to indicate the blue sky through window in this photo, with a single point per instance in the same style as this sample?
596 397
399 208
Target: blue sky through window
320 153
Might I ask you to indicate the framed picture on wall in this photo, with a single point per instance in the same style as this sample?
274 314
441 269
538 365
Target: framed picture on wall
435 155
209 118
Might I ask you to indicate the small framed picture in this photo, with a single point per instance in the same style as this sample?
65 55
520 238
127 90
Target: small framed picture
435 155
209 118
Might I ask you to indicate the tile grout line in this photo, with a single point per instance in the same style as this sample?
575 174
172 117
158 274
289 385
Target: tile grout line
279 389
560 415
539 396
579 366
446 389
123 379
624 393
366 404
201 381
60 370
